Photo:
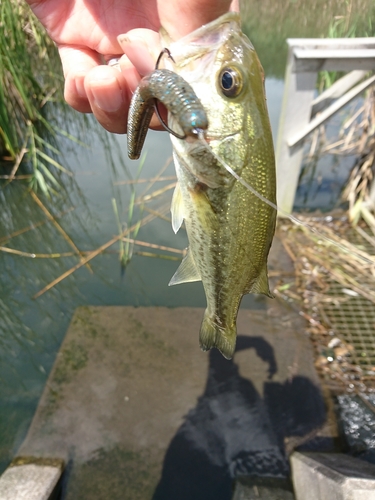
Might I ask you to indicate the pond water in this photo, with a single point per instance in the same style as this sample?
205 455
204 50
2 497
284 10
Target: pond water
31 330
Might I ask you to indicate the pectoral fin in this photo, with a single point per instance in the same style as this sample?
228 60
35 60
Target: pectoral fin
261 284
177 208
205 214
187 272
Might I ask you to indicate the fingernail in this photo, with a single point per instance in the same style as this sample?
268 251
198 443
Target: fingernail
107 99
126 40
138 52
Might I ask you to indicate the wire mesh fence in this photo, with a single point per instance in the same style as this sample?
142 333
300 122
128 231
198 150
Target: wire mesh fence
334 289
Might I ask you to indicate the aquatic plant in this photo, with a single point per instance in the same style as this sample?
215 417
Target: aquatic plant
30 79
126 251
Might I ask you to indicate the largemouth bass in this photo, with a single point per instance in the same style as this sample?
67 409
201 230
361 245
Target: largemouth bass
230 229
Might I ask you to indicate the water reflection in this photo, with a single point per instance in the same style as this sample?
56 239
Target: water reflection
233 431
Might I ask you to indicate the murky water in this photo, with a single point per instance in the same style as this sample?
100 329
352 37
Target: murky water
31 330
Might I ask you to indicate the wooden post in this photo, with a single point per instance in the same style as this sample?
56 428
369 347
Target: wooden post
295 115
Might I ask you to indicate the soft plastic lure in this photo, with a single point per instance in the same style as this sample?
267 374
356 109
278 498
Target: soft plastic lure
177 96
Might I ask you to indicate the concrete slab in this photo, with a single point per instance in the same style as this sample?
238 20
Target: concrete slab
139 412
29 479
319 476
254 488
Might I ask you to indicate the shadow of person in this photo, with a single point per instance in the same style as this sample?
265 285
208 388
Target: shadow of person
233 431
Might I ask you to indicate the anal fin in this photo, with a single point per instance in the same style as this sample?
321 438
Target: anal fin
261 284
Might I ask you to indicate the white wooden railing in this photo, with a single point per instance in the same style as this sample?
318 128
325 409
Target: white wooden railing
356 57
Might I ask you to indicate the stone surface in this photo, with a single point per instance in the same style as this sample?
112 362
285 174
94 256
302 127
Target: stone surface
333 476
138 411
249 488
29 481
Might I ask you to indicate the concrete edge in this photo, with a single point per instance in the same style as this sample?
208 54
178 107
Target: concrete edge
31 478
297 458
318 476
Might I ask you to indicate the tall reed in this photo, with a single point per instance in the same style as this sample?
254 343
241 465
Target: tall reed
30 79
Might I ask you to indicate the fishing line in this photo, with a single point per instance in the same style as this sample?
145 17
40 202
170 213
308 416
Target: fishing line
295 220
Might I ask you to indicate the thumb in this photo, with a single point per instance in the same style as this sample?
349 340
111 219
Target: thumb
142 48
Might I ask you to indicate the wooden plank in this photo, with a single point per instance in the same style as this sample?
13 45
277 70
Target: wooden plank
337 59
334 108
295 115
343 43
316 65
360 53
337 90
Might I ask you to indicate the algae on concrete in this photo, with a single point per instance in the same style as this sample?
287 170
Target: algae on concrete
126 403
135 479
269 488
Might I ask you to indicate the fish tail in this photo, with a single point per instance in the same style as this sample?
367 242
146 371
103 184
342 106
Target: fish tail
211 335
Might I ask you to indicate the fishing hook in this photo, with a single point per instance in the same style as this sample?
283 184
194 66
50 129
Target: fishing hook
164 51
156 107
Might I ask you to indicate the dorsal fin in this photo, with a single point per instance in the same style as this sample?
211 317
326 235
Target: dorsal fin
187 272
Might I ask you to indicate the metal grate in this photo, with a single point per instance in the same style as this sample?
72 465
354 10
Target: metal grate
341 321
354 321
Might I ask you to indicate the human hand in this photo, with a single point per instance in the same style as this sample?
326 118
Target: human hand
85 32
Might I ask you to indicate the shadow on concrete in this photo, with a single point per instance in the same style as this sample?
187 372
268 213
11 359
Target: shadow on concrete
233 431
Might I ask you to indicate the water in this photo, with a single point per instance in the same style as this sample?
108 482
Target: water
323 176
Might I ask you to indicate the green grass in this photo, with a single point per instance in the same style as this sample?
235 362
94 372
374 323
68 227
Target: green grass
30 79
268 23
346 26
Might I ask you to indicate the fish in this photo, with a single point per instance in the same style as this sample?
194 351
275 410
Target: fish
230 228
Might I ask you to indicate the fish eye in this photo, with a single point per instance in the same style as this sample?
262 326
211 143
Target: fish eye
230 81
